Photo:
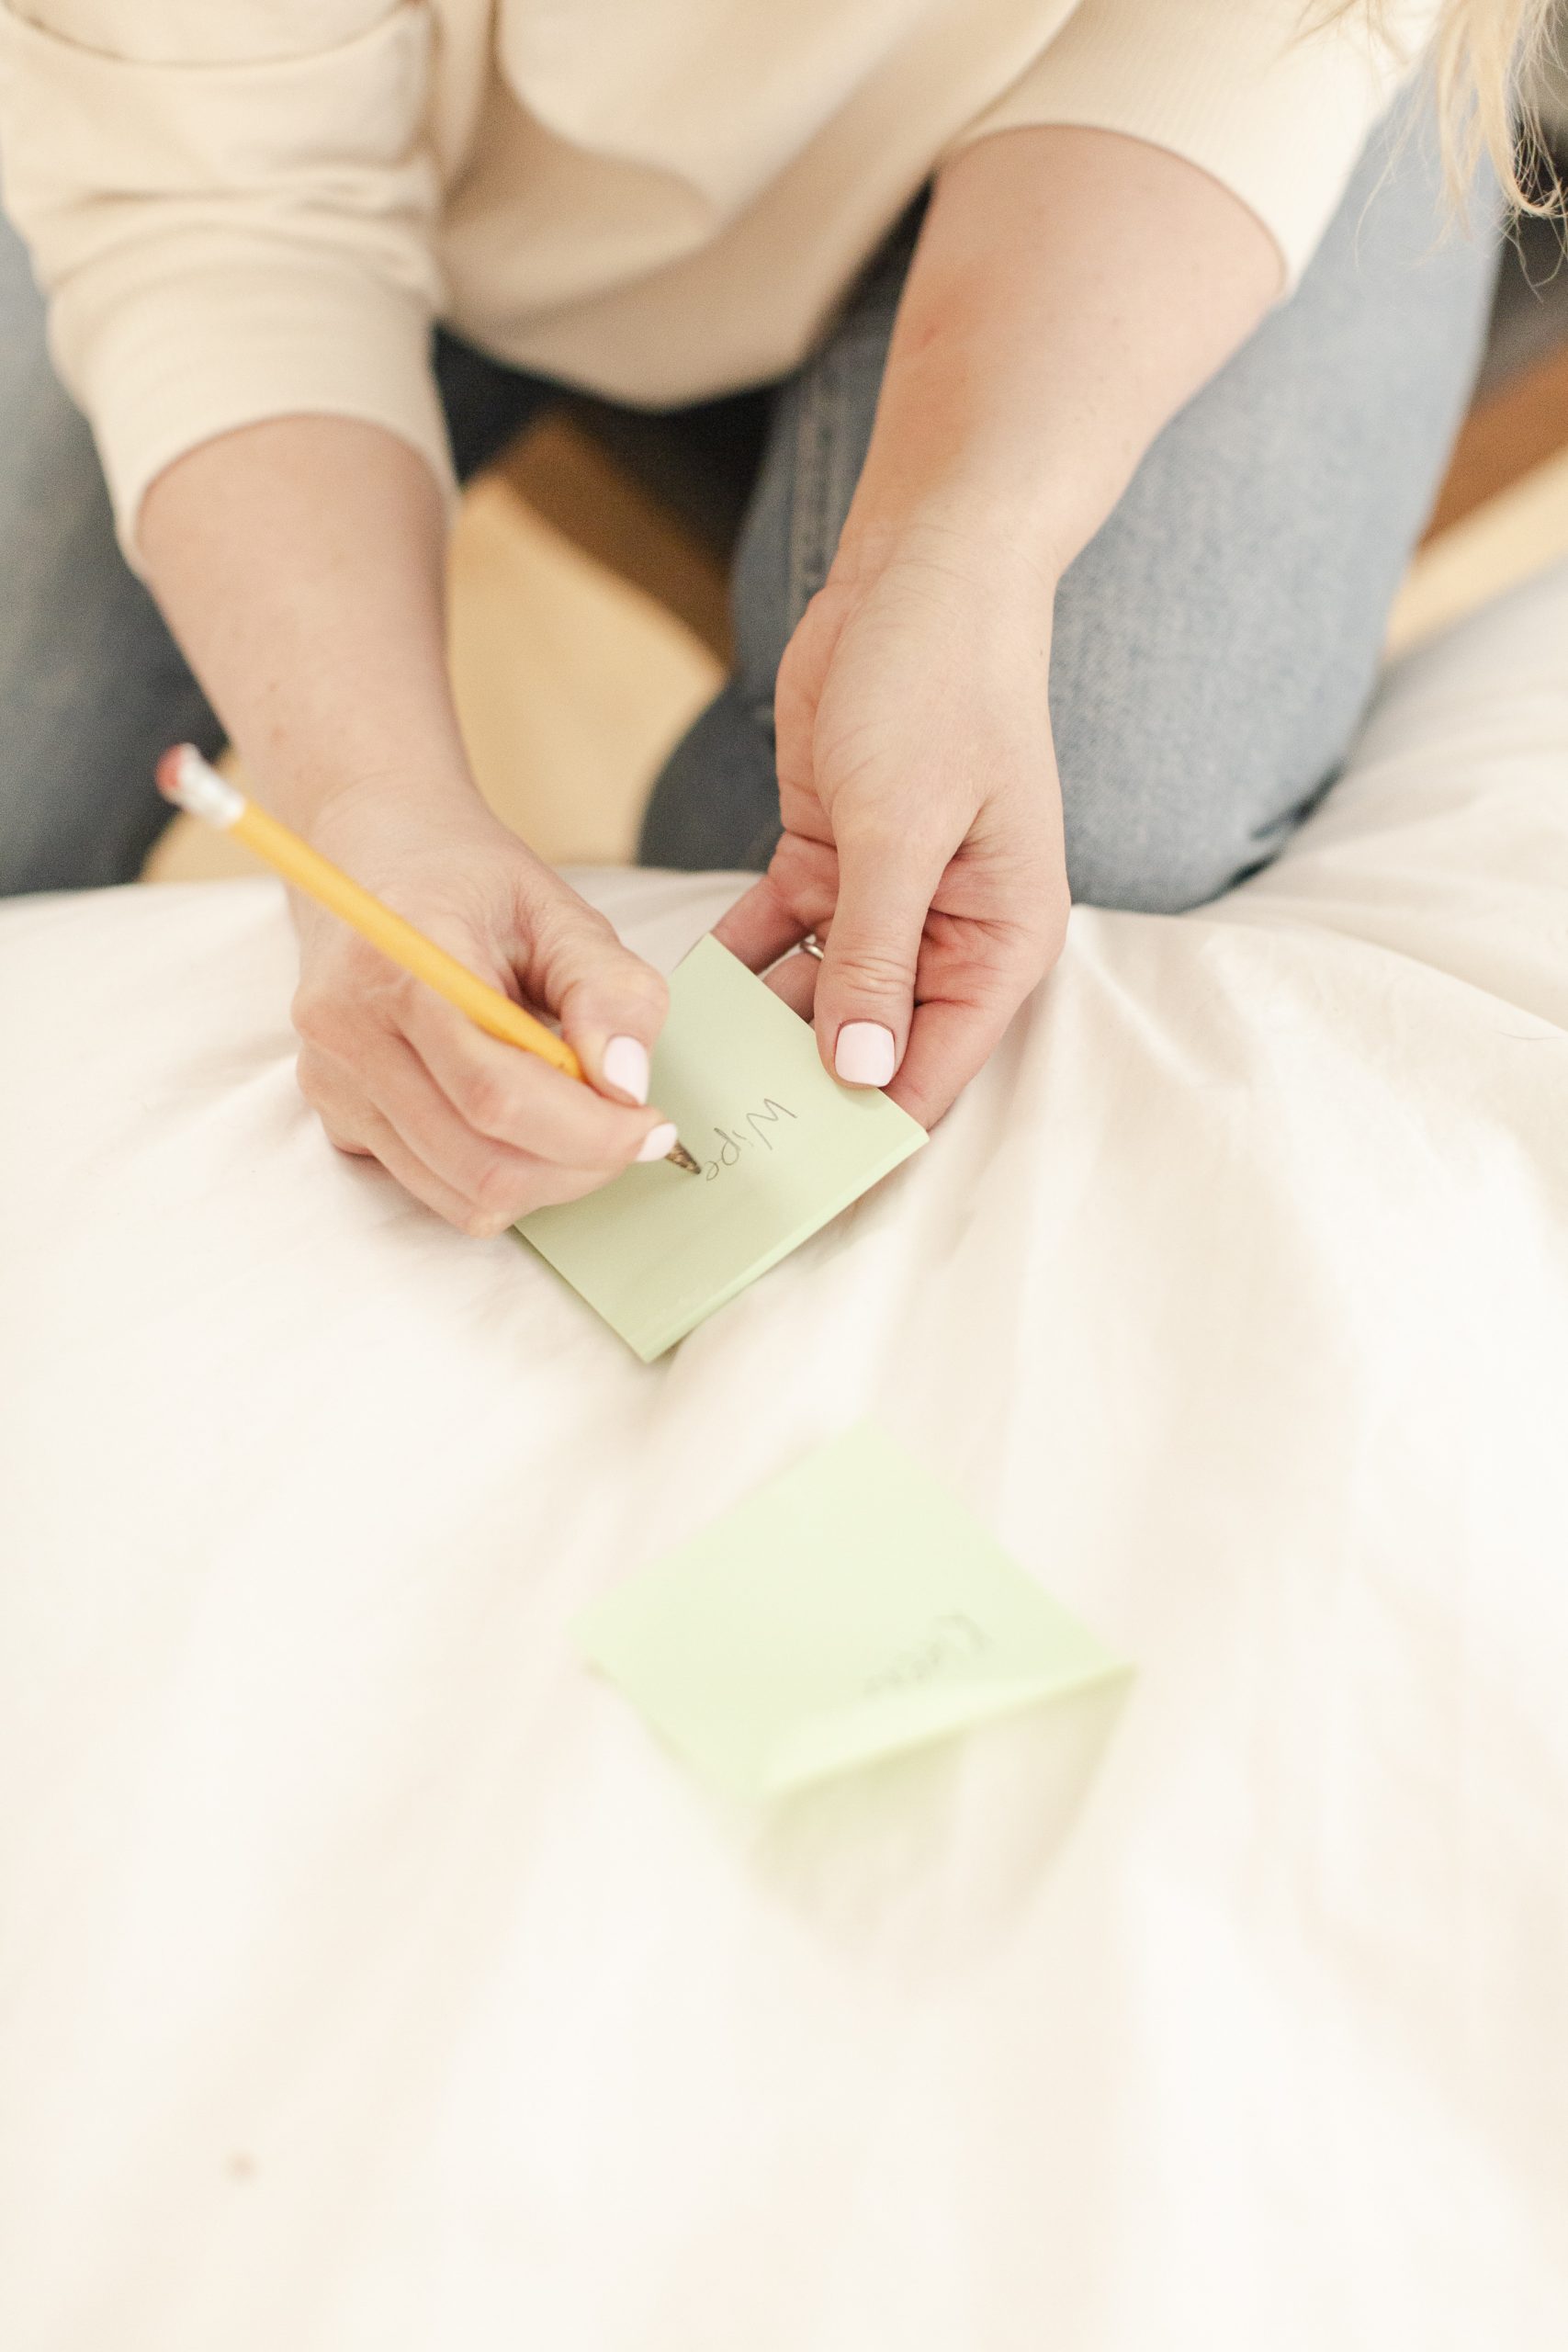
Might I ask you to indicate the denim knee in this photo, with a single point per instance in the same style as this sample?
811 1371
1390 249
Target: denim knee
1166 812
1143 842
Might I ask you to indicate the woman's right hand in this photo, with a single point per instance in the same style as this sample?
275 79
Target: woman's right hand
479 1131
323 648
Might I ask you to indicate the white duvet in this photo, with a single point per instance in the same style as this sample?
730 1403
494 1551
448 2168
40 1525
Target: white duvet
371 1982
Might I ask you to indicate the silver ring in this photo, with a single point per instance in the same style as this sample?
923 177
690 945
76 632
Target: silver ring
812 945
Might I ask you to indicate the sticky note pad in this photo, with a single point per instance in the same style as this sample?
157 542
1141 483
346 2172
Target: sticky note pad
783 1147
849 1609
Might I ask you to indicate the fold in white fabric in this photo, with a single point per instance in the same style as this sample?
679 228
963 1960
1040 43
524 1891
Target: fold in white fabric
371 1978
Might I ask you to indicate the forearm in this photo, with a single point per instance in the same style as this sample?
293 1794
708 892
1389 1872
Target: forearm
300 564
1070 291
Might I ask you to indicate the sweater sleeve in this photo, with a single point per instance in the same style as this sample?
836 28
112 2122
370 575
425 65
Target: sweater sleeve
230 211
1272 101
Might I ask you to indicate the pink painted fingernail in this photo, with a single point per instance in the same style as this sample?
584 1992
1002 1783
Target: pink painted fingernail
657 1142
865 1053
625 1066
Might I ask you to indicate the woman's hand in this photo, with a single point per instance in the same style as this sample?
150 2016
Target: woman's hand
1043 337
477 1130
923 818
324 649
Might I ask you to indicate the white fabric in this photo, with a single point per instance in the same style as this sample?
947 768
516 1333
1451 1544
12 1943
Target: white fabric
372 1982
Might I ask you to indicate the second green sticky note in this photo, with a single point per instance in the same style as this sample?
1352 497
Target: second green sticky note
849 1609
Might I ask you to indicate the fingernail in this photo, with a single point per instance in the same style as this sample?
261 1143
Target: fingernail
625 1066
865 1055
657 1142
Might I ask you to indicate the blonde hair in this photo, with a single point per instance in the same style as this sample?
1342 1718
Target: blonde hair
1486 62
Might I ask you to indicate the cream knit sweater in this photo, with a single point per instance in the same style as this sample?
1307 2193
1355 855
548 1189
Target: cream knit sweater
243 209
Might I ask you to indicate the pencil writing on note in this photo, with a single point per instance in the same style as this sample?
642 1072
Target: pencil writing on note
186 778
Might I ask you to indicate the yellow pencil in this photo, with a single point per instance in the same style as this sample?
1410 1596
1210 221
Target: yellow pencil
185 777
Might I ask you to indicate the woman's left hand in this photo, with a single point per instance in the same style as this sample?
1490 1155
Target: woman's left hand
1043 338
922 816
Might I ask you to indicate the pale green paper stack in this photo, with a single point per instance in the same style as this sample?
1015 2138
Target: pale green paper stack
849 1610
784 1148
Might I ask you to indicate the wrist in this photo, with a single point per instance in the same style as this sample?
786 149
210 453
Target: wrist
968 527
407 812
936 469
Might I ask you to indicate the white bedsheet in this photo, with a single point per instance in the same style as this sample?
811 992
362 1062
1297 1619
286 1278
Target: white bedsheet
369 1980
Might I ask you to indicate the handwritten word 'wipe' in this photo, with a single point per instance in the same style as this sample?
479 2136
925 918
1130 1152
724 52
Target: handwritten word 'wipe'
733 1142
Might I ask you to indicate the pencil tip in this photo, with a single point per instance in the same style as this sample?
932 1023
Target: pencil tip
683 1158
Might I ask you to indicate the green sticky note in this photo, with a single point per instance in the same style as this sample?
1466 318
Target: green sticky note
849 1609
783 1147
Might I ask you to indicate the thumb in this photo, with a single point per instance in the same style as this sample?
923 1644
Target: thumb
611 1005
865 990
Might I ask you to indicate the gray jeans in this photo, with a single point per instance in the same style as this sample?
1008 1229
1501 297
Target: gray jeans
1214 645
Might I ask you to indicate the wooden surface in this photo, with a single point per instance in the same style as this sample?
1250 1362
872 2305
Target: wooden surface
1503 438
1493 548
1503 512
568 481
